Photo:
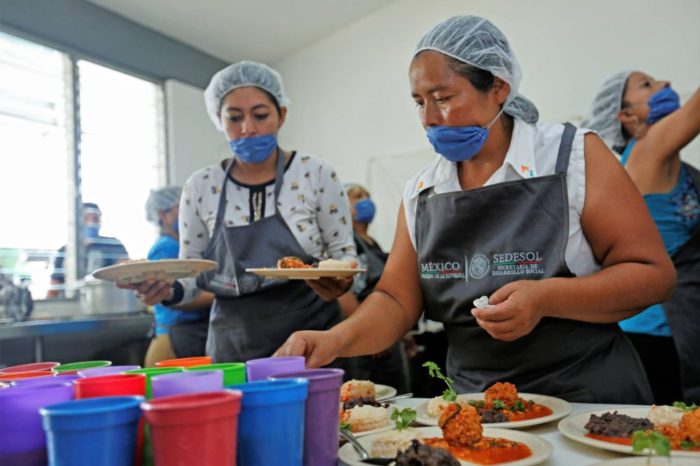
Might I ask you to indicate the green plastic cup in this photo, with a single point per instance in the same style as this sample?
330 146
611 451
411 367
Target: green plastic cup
234 372
153 371
74 367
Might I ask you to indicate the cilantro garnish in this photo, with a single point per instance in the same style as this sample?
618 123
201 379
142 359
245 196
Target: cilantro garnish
688 444
403 418
498 404
651 440
518 406
685 407
345 426
434 370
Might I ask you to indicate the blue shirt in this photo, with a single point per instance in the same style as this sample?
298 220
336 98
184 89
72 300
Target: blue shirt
675 214
167 247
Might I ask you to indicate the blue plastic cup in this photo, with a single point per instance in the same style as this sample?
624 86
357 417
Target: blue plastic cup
96 431
271 422
22 440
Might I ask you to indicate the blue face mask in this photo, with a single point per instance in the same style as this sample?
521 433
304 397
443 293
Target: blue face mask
458 143
364 211
662 103
91 230
254 150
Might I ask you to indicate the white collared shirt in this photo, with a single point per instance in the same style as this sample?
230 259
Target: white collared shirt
532 152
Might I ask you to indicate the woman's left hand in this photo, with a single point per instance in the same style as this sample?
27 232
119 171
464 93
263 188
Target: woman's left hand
515 310
330 288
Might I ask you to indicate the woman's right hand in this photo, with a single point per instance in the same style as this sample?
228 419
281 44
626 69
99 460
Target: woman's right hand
320 348
151 291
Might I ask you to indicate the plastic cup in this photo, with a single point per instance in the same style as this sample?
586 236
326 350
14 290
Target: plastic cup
63 378
12 376
321 415
186 382
151 372
34 366
74 367
185 362
110 385
197 428
22 440
97 371
95 432
234 372
261 369
271 423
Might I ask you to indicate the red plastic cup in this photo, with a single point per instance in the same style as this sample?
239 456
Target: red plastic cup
24 375
31 367
185 362
198 428
110 385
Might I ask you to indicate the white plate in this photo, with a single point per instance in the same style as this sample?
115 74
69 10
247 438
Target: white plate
642 461
166 269
383 391
559 407
574 428
541 449
305 274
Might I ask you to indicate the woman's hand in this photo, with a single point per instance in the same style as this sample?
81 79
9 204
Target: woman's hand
330 288
151 291
516 309
320 348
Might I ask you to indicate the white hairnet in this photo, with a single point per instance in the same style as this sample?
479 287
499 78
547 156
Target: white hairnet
161 200
606 105
242 74
478 42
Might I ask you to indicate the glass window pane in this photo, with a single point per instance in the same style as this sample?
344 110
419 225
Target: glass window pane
34 152
122 154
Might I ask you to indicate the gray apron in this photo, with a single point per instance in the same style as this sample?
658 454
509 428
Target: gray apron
683 309
471 243
252 316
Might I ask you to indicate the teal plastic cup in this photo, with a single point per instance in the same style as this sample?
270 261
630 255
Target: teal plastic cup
234 372
271 422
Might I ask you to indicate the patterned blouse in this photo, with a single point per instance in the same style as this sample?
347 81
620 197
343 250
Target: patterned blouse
312 201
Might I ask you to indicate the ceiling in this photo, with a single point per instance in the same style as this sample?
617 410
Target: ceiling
232 30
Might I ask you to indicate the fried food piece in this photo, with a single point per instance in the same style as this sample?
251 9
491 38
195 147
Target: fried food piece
291 262
504 391
690 425
461 425
353 389
672 433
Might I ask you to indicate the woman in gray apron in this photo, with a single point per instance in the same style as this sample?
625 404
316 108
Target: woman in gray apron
248 212
531 215
643 119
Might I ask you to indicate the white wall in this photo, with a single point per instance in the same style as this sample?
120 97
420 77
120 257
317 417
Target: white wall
193 142
350 96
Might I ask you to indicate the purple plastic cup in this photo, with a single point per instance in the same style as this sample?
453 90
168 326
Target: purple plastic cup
109 370
261 369
321 414
23 438
180 383
34 381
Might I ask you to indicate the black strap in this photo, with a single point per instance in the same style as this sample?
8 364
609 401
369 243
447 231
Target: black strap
567 140
278 185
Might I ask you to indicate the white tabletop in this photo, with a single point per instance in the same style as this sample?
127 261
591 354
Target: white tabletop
566 452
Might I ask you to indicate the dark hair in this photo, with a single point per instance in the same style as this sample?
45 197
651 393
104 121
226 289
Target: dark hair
273 99
91 205
482 80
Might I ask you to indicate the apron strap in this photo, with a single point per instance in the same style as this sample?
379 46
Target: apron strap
567 140
279 174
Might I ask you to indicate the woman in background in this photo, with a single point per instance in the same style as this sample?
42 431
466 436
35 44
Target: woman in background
177 334
642 118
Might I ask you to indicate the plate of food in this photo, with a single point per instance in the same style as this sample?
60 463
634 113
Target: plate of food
499 406
460 441
293 268
677 426
360 412
137 271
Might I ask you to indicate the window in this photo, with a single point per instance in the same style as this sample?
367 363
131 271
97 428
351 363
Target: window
114 160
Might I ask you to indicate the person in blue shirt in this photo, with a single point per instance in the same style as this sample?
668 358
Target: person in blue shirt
100 251
177 333
642 119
